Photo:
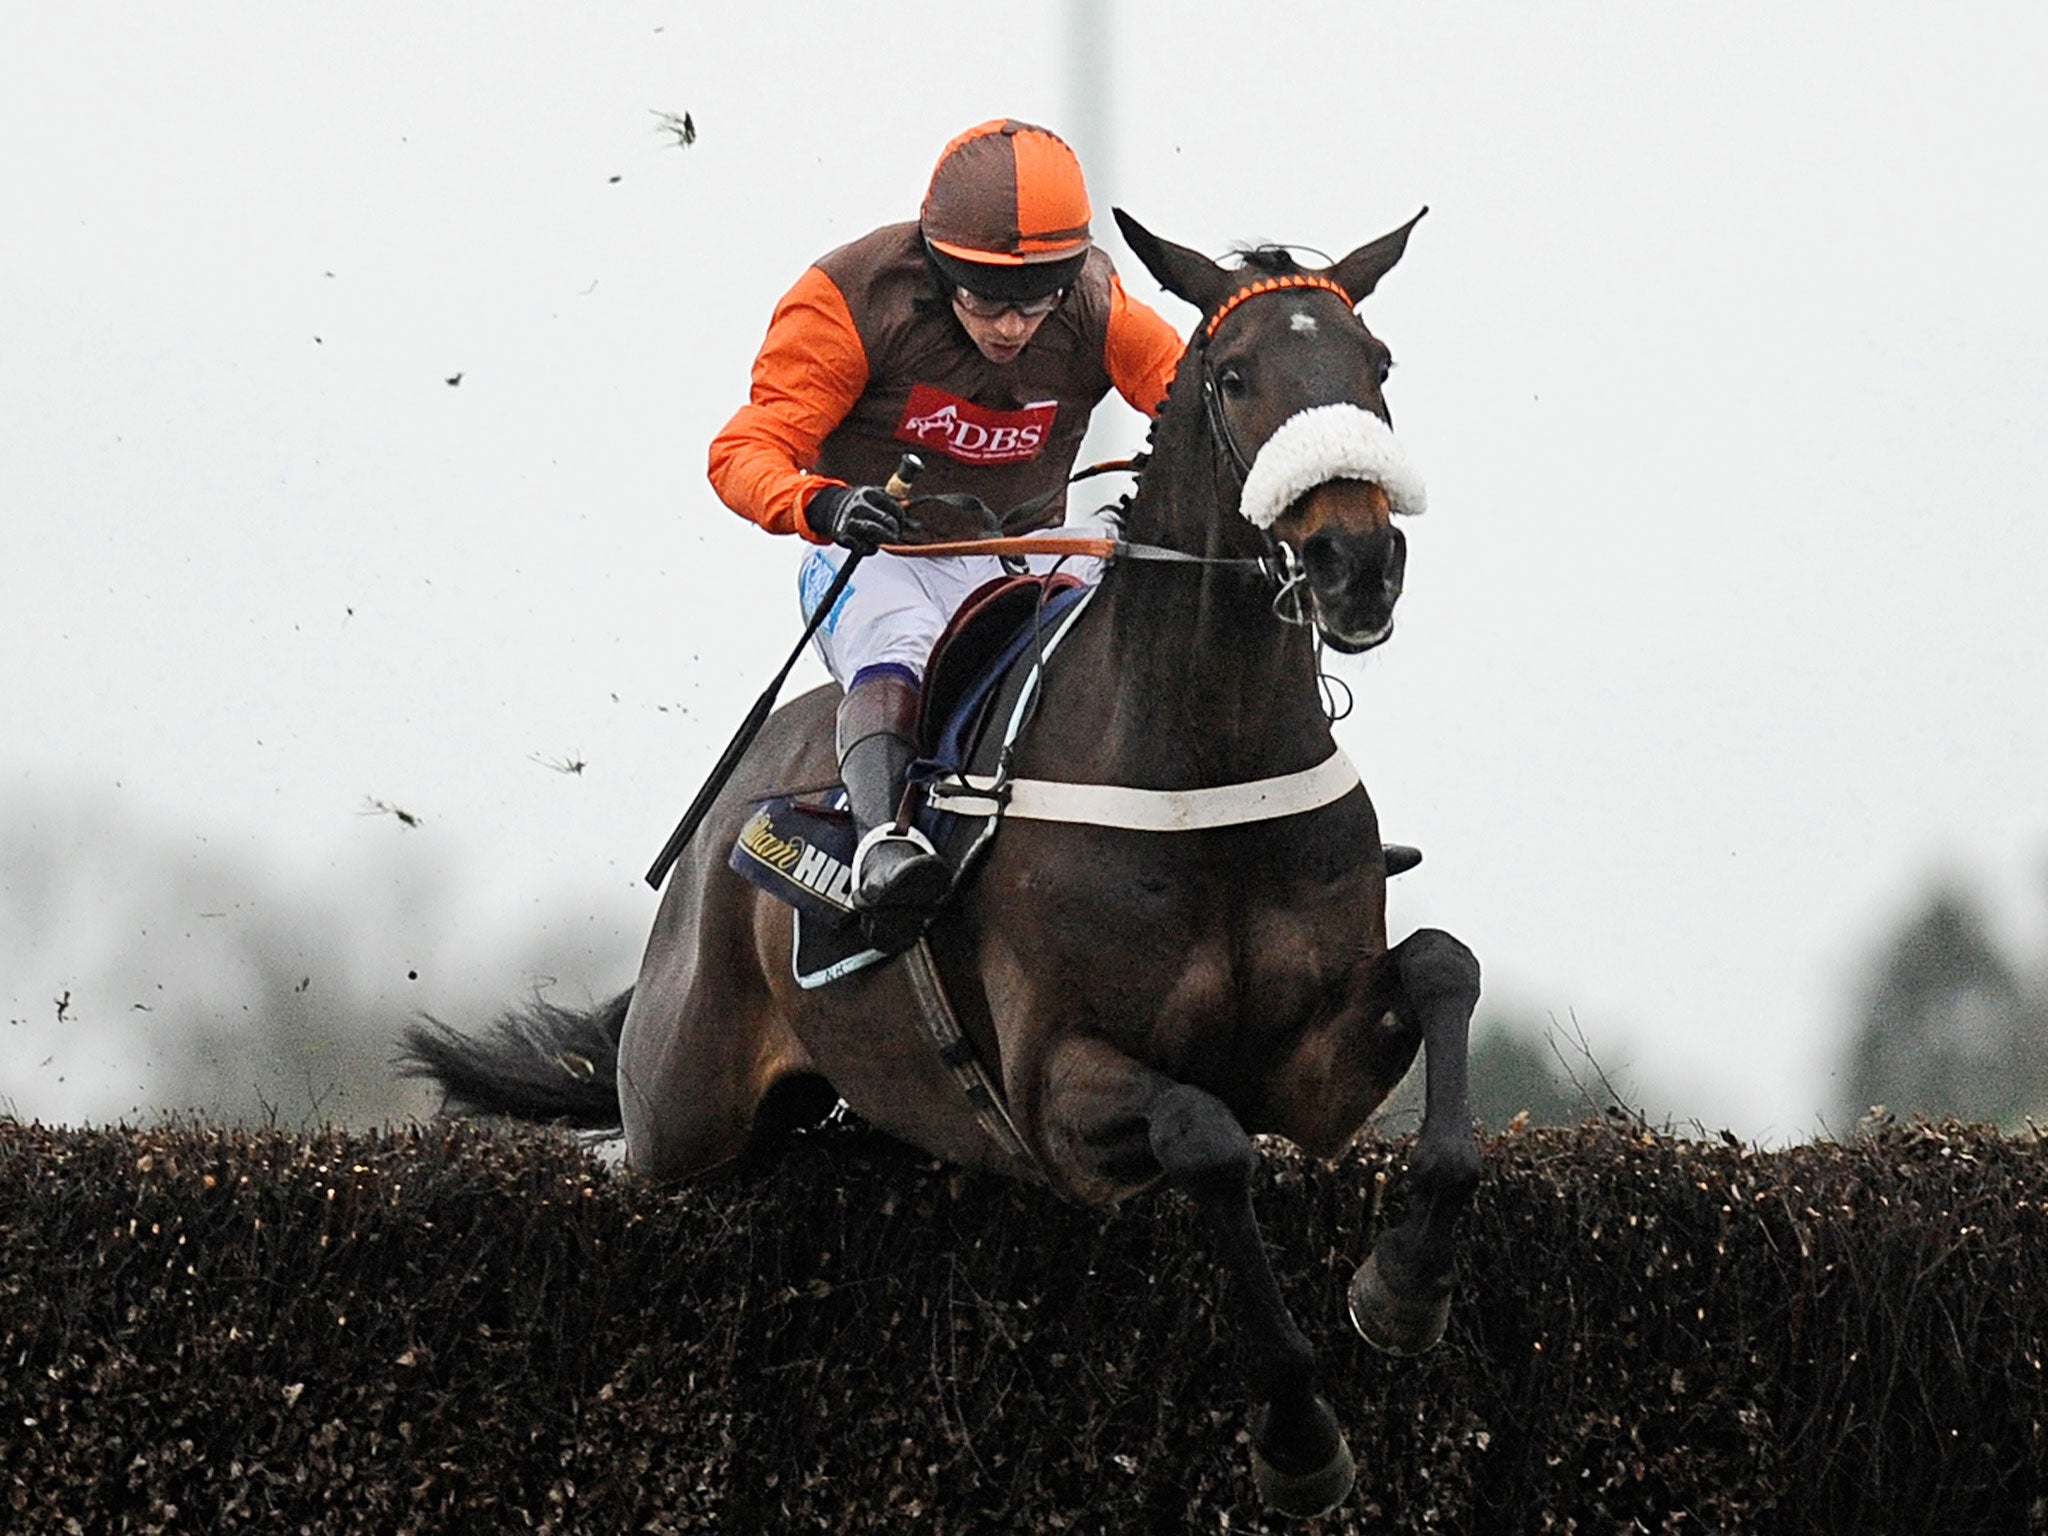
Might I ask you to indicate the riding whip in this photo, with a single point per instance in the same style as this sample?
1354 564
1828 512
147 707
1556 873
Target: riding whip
908 468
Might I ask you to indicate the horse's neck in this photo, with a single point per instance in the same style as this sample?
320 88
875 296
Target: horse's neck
1204 674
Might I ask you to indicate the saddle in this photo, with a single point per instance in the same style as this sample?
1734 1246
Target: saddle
979 686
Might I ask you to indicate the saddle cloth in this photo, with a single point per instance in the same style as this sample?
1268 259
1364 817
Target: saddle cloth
980 683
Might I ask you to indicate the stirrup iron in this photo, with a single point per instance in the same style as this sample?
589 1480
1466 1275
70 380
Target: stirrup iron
887 832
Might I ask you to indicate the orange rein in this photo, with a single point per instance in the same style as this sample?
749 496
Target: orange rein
1273 285
1103 549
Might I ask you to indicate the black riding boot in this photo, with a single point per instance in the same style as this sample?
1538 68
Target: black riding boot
898 879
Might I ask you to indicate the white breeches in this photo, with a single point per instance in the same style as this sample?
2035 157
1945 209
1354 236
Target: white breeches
895 607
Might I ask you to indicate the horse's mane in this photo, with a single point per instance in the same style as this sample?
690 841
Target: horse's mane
1273 260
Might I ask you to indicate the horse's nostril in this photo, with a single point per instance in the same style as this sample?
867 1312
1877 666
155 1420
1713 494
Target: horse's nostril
1337 563
1326 563
1396 569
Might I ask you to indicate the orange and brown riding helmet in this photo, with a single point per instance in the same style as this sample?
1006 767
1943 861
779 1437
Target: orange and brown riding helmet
1006 214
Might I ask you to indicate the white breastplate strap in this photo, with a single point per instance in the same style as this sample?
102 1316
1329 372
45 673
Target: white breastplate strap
1152 810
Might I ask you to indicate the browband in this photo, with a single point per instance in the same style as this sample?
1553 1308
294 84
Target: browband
1273 285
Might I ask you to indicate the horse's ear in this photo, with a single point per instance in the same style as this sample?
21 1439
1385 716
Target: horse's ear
1181 272
1360 272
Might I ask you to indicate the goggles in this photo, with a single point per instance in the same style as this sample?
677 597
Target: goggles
994 309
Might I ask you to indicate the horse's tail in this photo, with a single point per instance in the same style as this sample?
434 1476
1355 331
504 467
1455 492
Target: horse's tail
540 1062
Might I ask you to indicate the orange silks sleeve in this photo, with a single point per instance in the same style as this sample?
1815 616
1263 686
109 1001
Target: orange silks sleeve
1141 352
809 372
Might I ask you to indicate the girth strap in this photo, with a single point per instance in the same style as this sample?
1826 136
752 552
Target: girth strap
1149 810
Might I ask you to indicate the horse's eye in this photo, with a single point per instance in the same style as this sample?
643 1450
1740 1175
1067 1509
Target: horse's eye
1231 382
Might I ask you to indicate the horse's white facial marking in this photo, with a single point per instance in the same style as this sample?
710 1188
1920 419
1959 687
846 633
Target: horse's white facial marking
1302 323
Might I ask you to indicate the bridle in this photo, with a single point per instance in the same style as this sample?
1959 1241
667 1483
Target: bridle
1212 393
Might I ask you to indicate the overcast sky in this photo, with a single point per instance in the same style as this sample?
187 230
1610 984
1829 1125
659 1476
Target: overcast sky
1724 350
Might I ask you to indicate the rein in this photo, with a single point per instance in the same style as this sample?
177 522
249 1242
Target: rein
1104 547
1281 567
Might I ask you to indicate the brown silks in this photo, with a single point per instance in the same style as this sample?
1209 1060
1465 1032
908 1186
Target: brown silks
1006 193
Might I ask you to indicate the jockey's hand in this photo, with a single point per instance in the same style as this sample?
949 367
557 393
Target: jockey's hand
856 516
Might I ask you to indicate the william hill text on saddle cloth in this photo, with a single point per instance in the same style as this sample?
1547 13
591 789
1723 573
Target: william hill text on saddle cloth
981 337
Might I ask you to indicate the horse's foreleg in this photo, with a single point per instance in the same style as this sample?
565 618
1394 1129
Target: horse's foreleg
1401 1295
1116 1117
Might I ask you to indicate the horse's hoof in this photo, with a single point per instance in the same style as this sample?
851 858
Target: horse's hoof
1303 1494
1391 1322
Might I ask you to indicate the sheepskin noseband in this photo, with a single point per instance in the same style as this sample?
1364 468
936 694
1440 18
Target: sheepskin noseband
1328 442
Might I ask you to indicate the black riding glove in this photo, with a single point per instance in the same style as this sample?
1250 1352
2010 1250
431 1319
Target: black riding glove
856 516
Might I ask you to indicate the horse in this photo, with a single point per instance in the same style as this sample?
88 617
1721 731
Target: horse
1147 1001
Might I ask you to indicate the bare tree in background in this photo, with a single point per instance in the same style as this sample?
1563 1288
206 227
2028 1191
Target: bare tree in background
148 971
308 1046
1515 1072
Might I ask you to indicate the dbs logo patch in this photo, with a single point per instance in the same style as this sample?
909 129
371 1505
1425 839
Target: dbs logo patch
975 434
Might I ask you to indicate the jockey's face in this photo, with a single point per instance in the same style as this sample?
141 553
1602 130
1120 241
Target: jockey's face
1001 336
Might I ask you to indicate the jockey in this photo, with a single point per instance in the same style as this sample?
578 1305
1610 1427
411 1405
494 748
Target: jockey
981 337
